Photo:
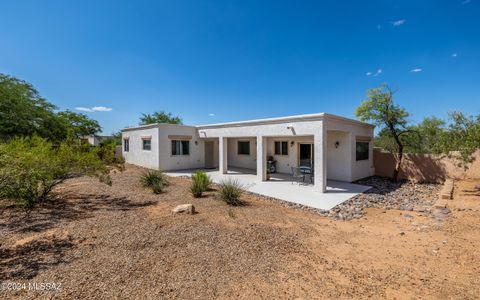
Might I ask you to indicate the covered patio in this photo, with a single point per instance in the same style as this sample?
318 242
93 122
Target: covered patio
280 186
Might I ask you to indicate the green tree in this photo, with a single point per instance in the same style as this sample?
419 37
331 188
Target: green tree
79 124
461 138
117 137
160 117
427 135
30 167
23 112
423 138
380 109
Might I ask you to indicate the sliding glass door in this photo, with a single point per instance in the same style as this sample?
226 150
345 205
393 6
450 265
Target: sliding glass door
306 155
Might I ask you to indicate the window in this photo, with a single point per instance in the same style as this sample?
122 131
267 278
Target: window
362 150
147 144
180 147
281 148
126 145
243 147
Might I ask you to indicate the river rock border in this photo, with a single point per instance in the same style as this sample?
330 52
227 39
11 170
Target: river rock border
403 195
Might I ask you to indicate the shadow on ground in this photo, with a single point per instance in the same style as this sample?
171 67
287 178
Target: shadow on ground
24 262
381 185
60 208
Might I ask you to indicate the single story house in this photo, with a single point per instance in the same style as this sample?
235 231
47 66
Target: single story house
95 140
334 147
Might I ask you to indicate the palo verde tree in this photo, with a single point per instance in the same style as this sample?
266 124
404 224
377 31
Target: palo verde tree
460 139
380 109
159 117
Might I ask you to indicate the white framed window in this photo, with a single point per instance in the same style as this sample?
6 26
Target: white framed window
281 148
126 145
180 147
243 148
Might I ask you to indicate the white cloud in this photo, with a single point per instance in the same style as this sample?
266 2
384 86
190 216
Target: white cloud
211 115
398 22
454 54
416 70
84 109
378 72
93 109
101 108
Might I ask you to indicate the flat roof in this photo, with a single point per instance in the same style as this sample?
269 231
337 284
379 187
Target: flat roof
294 118
305 117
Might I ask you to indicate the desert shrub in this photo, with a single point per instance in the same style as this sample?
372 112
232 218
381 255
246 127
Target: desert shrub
30 167
196 189
106 152
202 180
155 180
230 191
158 187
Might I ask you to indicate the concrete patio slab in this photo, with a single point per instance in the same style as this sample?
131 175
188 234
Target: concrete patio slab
281 187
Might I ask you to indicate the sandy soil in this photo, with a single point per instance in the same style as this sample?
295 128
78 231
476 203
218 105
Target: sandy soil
122 241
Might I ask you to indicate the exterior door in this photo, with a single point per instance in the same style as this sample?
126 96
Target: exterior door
306 155
209 163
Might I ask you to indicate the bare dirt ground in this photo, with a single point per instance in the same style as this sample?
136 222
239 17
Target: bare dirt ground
123 242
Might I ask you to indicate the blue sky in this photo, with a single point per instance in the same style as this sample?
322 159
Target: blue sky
215 61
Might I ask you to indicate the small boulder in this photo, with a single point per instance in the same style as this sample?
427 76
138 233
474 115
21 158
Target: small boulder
184 208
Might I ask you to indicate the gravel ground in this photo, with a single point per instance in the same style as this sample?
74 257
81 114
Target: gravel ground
122 241
402 195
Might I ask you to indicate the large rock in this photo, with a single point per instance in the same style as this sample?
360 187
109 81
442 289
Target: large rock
184 208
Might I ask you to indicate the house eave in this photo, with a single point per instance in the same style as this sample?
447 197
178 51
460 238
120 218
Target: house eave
267 121
280 120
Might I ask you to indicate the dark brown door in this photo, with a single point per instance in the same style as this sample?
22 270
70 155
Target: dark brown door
209 163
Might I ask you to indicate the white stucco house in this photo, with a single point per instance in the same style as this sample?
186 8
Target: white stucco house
95 140
336 148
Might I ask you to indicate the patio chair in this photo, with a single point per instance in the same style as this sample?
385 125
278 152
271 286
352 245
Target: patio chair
307 172
310 176
297 175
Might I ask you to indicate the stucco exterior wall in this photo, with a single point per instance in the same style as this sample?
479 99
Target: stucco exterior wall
286 162
341 163
136 155
359 169
338 162
299 128
93 140
241 160
168 162
160 157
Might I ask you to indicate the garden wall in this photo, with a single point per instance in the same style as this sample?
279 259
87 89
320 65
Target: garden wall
424 167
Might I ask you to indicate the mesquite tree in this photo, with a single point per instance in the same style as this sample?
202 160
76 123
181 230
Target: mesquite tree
380 109
160 117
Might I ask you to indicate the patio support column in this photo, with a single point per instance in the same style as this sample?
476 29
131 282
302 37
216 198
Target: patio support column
222 155
261 158
320 160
